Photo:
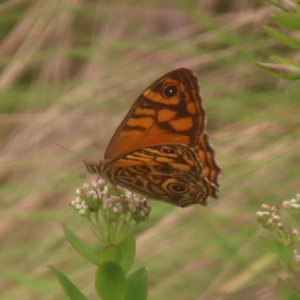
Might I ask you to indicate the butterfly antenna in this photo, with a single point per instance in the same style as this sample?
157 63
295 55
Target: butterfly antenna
81 176
65 148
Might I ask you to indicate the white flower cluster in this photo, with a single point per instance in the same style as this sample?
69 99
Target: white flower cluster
293 206
82 207
269 217
112 217
95 196
138 206
89 197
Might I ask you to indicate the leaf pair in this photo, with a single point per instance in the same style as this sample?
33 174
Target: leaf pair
113 264
284 68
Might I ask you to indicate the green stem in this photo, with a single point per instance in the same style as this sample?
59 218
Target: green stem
100 227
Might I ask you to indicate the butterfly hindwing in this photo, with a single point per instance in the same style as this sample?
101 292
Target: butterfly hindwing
206 154
171 185
167 172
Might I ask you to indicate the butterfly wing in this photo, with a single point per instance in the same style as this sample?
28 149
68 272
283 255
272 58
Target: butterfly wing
206 155
168 111
168 172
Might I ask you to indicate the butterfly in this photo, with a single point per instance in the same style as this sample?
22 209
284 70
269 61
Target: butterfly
161 149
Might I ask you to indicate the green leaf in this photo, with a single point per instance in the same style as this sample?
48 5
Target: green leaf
110 281
286 20
138 285
281 71
127 247
276 247
286 289
110 253
280 5
282 37
80 246
284 61
70 289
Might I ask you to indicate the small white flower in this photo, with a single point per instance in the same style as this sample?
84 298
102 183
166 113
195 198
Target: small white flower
90 193
296 206
78 206
260 213
84 205
86 185
286 204
94 183
274 209
265 207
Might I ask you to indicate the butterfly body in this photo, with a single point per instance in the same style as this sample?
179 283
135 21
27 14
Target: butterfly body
161 149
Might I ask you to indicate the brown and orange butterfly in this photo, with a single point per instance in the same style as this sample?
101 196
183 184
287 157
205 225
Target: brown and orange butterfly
161 149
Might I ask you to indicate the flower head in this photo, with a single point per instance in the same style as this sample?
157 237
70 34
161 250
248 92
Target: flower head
270 219
112 216
293 206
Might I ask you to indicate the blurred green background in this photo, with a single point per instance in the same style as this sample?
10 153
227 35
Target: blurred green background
71 69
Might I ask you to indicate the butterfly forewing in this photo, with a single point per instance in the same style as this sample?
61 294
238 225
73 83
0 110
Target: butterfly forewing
170 110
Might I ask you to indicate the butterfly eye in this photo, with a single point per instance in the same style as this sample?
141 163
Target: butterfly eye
178 188
170 91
